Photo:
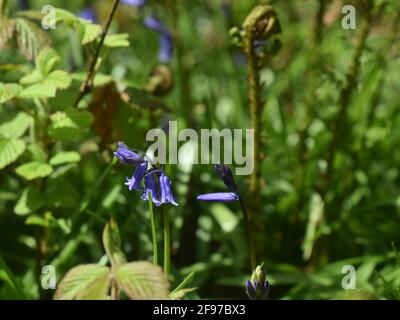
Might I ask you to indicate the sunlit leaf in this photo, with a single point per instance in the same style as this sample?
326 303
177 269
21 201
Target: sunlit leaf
142 280
84 282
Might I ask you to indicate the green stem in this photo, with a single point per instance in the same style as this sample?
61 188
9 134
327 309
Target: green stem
153 230
167 241
250 235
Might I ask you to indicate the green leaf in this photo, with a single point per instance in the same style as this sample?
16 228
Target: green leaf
34 77
116 40
226 219
112 243
59 78
65 157
46 60
37 221
8 91
84 282
16 127
70 124
10 150
30 38
142 280
34 169
316 210
87 31
39 90
29 202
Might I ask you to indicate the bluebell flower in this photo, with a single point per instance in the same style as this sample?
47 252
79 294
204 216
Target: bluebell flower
134 3
257 288
166 195
165 38
226 175
219 196
150 187
134 182
88 14
127 156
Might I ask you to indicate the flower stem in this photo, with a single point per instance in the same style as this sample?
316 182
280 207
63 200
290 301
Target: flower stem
153 230
250 237
167 240
87 85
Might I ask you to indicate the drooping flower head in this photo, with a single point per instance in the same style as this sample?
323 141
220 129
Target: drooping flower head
226 175
127 156
150 187
134 182
165 38
257 288
166 195
161 195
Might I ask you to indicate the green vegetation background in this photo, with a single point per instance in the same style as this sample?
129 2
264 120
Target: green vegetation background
331 180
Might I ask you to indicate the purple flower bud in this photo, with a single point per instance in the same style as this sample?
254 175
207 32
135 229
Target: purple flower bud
166 195
219 196
127 156
226 175
165 38
258 287
134 182
134 3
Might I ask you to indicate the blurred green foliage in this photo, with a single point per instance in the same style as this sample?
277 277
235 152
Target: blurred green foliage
331 180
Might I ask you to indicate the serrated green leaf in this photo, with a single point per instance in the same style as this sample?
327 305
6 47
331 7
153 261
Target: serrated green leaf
30 38
65 157
116 40
60 79
10 150
6 30
69 124
34 77
84 282
29 202
16 127
9 91
39 90
142 280
34 169
46 60
112 243
88 32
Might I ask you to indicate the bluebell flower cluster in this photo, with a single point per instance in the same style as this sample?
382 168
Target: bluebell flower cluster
226 175
165 38
161 192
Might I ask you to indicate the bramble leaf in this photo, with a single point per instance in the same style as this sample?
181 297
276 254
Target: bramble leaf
34 169
84 282
142 280
10 150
